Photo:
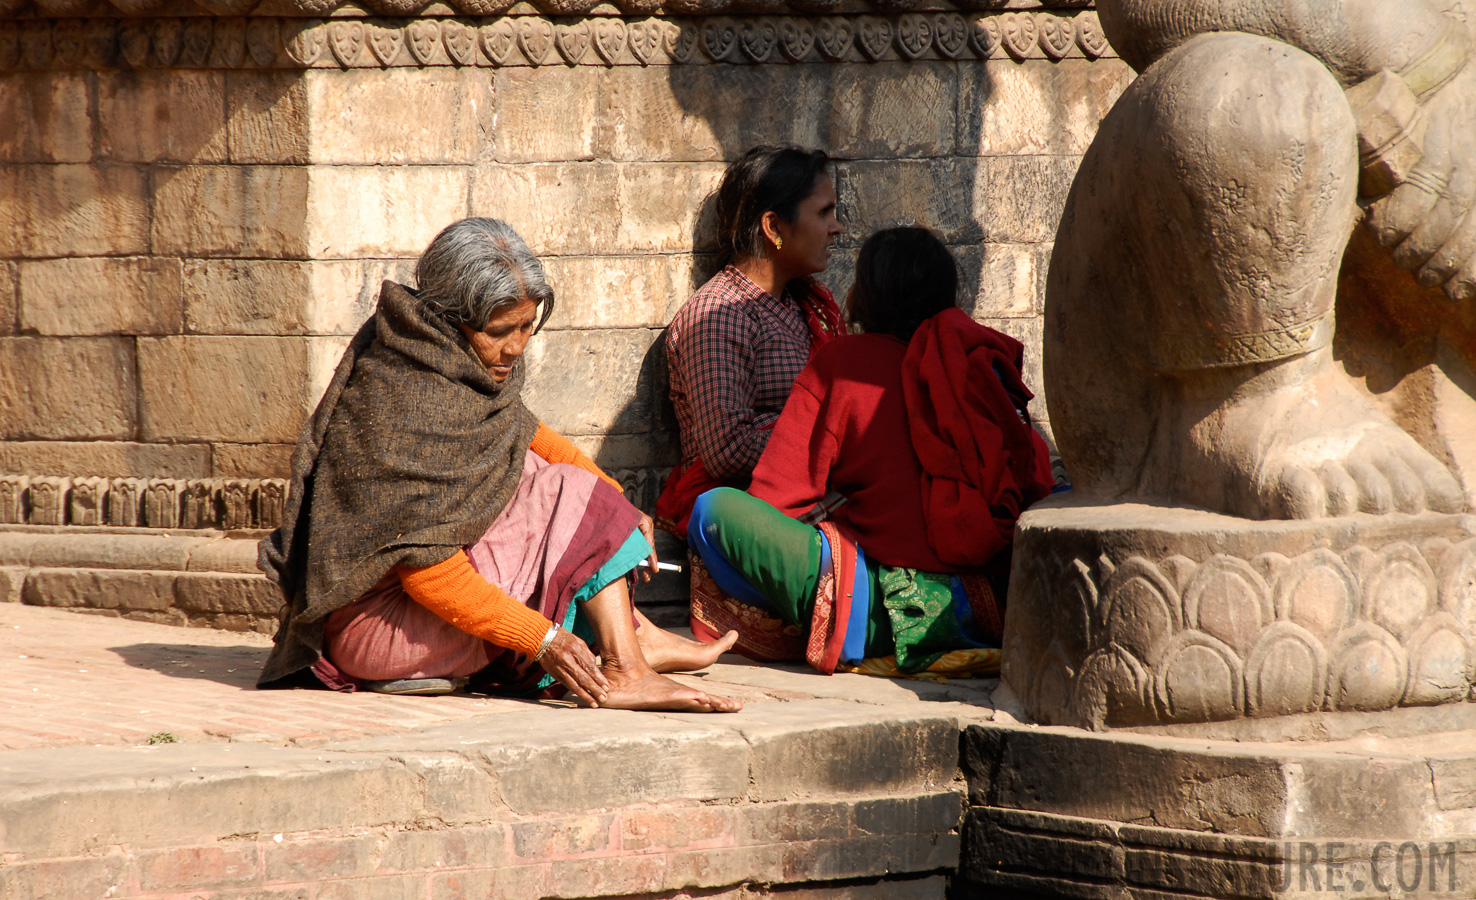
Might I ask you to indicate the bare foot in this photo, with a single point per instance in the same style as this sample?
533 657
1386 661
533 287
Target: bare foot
652 691
667 652
1301 442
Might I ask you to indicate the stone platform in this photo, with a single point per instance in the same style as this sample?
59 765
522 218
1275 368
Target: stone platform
841 787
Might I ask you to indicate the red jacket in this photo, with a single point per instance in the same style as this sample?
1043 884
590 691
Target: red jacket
847 428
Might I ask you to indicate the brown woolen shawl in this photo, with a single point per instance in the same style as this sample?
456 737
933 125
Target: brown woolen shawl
412 453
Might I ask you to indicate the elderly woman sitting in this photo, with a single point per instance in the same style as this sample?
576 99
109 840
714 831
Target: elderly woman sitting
436 530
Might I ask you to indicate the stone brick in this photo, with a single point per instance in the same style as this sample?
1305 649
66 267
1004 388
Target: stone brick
1019 199
392 887
796 821
457 791
12 583
1037 107
512 883
564 838
928 815
138 295
50 118
444 113
101 876
231 211
582 382
723 866
112 459
357 211
678 828
75 388
528 99
122 590
195 867
611 292
267 117
238 296
173 115
212 592
932 193
406 851
665 207
618 875
75 210
241 389
1004 280
229 555
250 460
658 449
9 298
563 209
681 115
890 111
311 859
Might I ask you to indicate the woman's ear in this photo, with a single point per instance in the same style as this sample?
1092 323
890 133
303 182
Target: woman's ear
769 223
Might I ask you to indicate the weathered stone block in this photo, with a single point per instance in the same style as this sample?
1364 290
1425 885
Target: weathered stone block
238 296
183 868
680 114
315 859
1018 199
679 827
932 193
173 115
529 98
74 210
662 207
1004 280
620 875
86 502
116 459
562 209
47 496
75 388
12 583
124 590
251 460
125 503
49 112
1030 332
357 211
235 555
563 838
162 501
476 848
611 292
1037 107
267 117
580 382
214 592
890 111
9 298
14 500
245 389
78 877
231 211
140 295
451 108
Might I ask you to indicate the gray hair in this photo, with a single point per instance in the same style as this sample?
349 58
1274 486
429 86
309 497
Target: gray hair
475 267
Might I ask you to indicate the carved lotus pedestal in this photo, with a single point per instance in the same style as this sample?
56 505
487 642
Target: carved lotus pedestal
1232 708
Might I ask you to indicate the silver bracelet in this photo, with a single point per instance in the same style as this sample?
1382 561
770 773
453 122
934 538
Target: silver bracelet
548 639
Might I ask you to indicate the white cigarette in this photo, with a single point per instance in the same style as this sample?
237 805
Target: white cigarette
668 567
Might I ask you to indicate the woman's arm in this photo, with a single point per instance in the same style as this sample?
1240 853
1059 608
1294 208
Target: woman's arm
795 468
552 447
717 367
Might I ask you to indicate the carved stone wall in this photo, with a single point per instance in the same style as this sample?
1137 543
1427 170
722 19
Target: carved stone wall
199 202
1130 615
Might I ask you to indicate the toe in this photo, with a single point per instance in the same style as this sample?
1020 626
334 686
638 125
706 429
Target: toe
1408 493
1296 493
1442 492
1374 493
1342 491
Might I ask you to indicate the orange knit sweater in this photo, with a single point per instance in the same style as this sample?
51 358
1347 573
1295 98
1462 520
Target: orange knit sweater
455 591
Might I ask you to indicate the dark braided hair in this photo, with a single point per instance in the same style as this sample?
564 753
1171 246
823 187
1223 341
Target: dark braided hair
904 276
765 179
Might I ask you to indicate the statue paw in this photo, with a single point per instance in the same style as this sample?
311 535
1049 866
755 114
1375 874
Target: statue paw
1385 472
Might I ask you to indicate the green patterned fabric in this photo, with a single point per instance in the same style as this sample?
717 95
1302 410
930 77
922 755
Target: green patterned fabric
920 605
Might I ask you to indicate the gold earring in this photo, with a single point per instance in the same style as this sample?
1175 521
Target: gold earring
778 242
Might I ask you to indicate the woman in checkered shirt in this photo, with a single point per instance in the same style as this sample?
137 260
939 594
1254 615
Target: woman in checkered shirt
738 343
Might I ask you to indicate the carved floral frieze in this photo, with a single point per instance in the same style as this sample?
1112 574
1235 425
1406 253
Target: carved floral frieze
239 42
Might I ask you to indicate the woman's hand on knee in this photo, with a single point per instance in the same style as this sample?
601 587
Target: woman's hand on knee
570 661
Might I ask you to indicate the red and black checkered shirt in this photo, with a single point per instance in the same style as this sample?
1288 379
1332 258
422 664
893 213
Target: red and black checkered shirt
734 351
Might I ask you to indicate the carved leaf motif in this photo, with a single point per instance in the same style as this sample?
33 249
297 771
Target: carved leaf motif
346 38
950 34
497 40
228 45
198 32
573 40
914 35
645 40
385 43
1020 34
836 37
797 37
610 39
682 42
536 37
875 36
425 36
1089 35
99 43
460 42
133 43
1057 36
168 36
718 38
985 36
10 45
304 41
261 40
759 37
66 40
